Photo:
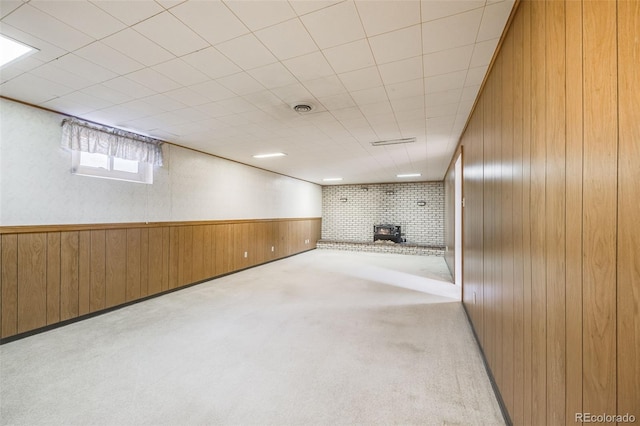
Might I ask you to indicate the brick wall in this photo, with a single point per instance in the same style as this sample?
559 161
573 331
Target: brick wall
363 206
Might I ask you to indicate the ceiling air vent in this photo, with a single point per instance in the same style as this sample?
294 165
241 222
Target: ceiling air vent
303 108
393 141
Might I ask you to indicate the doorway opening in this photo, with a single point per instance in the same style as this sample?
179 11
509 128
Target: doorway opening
458 220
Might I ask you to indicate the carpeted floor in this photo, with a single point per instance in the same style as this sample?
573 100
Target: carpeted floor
322 338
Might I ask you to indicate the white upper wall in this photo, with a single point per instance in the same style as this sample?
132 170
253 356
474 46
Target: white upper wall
37 187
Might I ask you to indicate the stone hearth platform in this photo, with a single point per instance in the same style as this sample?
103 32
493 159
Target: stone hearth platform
382 247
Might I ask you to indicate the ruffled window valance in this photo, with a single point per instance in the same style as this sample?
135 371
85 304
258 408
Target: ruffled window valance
81 136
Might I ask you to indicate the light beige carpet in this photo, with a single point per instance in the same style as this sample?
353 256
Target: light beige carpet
322 338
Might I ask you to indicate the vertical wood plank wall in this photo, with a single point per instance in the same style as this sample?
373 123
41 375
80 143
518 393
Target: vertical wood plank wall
551 171
53 274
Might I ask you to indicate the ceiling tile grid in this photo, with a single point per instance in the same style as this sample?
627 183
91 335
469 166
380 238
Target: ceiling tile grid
223 76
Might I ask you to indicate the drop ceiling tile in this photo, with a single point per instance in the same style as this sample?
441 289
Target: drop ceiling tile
448 61
236 105
190 114
212 20
348 114
129 87
370 96
414 103
42 25
309 67
437 35
181 72
475 76
470 92
241 83
494 19
442 110
325 86
442 82
8 73
377 109
211 62
483 52
46 51
168 4
443 98
339 101
213 90
185 97
287 40
302 7
261 14
83 16
365 78
68 106
79 66
350 56
273 75
153 80
86 100
334 25
406 89
8 6
213 110
436 9
136 46
383 16
167 31
109 58
164 103
400 71
440 124
397 45
33 89
142 108
52 73
293 94
262 99
247 52
130 12
409 117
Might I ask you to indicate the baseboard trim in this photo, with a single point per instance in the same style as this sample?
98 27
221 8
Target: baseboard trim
494 385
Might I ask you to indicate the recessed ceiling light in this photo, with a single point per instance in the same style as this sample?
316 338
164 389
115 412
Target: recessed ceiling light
409 175
331 179
10 50
393 141
274 154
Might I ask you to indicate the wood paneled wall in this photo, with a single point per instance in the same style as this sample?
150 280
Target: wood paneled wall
552 190
51 274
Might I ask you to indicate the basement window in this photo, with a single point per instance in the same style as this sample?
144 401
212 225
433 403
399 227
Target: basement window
110 153
109 167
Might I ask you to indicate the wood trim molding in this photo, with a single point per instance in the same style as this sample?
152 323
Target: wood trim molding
28 229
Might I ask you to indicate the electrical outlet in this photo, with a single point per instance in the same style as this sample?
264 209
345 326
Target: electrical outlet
246 254
273 248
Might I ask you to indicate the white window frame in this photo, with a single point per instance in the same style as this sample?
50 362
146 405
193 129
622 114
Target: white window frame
144 175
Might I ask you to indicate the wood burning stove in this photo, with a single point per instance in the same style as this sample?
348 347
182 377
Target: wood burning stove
387 232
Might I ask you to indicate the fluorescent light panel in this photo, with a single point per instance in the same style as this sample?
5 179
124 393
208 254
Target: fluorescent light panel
406 175
331 179
10 50
274 154
393 141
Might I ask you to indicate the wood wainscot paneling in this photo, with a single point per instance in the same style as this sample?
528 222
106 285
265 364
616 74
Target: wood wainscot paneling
628 268
551 243
51 274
